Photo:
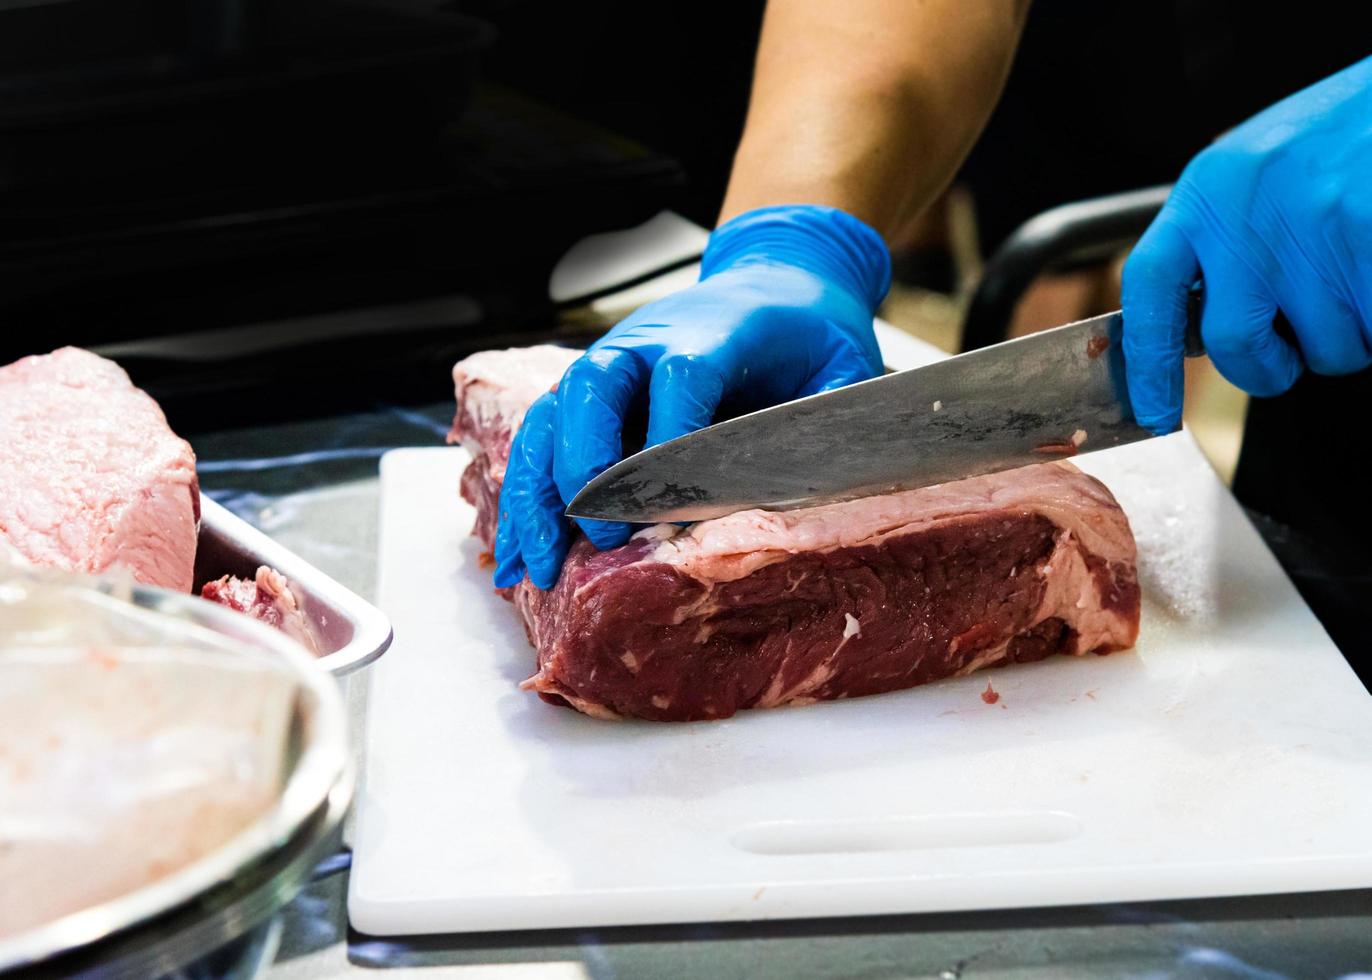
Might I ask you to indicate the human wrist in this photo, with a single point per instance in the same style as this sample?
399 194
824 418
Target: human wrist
824 241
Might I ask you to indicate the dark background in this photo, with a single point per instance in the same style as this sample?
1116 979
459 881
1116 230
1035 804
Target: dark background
169 166
381 186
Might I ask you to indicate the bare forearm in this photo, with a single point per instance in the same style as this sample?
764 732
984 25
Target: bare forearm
869 105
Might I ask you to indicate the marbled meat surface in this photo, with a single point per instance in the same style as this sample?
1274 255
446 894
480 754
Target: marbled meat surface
762 609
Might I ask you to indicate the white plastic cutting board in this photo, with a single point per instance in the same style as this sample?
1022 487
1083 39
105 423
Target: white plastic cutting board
1230 753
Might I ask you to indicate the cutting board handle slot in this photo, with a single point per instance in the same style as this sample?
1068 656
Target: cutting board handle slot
803 837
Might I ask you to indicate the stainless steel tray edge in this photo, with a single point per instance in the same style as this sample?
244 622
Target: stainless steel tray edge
352 630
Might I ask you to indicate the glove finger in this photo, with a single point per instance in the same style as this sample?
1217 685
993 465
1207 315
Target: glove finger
1155 292
1330 335
848 365
509 566
1238 330
531 500
593 399
509 563
683 395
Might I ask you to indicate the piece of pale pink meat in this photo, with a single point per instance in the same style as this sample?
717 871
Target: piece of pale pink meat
762 609
268 598
91 476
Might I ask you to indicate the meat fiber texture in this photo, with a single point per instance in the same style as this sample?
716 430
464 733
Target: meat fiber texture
91 476
762 609
268 598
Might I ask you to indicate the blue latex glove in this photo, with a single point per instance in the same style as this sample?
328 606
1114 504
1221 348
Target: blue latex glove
1276 215
783 309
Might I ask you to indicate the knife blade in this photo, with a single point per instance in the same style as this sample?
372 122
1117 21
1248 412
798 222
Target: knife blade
1045 396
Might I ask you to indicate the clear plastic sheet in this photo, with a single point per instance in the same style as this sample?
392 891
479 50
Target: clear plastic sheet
131 743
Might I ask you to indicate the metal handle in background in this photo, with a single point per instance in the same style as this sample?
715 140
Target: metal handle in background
1093 228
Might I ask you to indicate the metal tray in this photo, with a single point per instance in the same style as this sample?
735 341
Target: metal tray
352 632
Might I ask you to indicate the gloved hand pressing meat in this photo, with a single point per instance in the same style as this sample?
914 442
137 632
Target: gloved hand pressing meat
783 308
1275 216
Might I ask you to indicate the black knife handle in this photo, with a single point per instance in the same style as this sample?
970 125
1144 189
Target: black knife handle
1194 346
1195 306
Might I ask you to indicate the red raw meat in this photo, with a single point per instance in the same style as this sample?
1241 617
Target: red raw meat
762 609
268 598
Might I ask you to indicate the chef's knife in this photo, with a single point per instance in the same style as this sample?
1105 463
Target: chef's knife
1046 396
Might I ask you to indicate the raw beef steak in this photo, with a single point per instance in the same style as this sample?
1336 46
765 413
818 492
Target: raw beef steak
760 609
90 474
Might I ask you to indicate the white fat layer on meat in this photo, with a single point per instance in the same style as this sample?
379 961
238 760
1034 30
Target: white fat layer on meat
522 594
775 695
545 683
730 548
1074 596
987 657
1071 594
657 532
512 383
495 389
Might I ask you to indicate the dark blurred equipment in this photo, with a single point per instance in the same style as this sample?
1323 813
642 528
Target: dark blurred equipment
172 166
673 76
1082 232
1108 97
109 92
1303 466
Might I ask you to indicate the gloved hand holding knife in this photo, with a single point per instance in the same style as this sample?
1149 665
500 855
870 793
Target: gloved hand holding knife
783 309
1275 216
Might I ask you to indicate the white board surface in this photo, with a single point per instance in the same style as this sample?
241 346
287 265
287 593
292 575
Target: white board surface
1230 753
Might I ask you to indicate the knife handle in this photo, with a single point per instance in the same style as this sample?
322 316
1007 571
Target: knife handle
1195 306
1192 343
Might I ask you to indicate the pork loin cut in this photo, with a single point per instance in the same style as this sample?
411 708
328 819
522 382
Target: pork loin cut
91 476
762 609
